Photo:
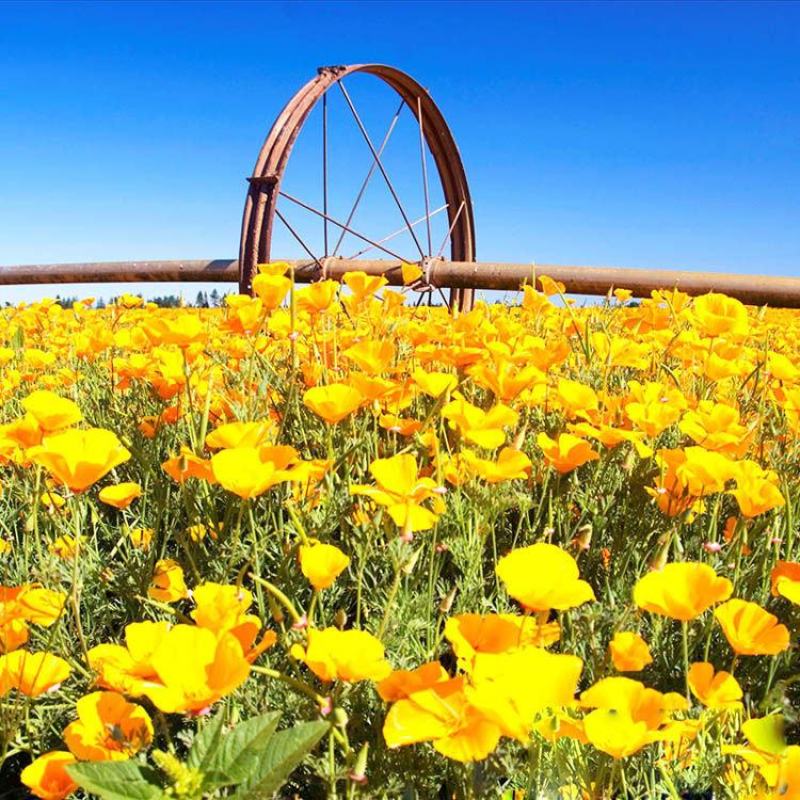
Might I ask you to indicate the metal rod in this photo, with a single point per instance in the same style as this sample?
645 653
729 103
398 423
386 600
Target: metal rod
380 167
393 234
341 225
424 159
325 170
752 289
370 173
298 238
450 230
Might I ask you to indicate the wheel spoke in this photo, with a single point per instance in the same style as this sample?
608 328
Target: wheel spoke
450 229
381 167
401 230
340 225
298 237
370 173
424 161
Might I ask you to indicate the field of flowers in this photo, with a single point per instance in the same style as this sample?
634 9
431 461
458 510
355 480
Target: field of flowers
323 542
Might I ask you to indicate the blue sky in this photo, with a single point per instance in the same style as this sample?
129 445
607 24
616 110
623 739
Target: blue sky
654 134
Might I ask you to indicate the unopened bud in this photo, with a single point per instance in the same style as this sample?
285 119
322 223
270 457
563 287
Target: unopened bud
275 610
340 618
359 773
447 601
340 718
408 567
584 537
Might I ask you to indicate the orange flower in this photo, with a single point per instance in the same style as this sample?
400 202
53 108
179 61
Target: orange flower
566 453
333 402
443 715
32 673
79 458
714 690
188 465
471 634
108 728
785 579
167 585
240 434
322 564
401 683
47 777
750 630
223 609
120 495
543 576
681 591
629 652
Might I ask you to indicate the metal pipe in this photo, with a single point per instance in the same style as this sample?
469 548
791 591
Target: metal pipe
752 289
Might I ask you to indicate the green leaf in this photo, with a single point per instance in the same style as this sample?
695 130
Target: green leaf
118 780
206 741
237 753
766 733
283 753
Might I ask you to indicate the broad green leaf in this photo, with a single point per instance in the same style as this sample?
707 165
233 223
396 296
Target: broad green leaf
284 752
118 780
238 752
206 741
766 733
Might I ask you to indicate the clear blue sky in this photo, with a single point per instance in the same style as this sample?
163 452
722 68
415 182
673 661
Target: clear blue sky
598 133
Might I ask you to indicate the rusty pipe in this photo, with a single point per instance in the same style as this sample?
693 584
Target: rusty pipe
751 289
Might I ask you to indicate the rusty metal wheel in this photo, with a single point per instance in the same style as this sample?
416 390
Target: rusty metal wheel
339 217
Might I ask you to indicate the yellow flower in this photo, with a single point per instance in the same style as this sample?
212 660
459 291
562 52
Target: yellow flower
108 728
65 547
167 584
502 689
350 656
401 491
750 630
333 402
482 428
511 464
51 412
141 537
616 732
251 471
322 564
714 690
79 458
240 434
120 495
194 668
629 652
47 777
681 591
543 576
719 315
